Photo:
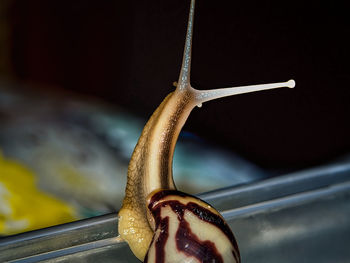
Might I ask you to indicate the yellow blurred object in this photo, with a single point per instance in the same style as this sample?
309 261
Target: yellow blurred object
23 206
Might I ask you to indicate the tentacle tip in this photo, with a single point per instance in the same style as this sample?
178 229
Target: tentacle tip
290 83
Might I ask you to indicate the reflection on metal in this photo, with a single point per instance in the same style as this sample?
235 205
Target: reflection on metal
301 217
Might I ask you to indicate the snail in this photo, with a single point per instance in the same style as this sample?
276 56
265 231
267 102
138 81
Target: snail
160 223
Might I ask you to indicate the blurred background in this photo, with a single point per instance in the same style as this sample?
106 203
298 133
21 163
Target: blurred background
78 80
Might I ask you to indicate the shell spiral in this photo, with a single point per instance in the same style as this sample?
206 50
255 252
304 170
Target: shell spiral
188 230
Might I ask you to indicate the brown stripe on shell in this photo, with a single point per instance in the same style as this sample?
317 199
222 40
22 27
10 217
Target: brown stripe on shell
207 216
204 251
186 241
161 241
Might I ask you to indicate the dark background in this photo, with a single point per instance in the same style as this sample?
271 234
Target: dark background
129 53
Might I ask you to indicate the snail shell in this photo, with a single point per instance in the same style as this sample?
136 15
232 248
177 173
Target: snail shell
159 223
188 230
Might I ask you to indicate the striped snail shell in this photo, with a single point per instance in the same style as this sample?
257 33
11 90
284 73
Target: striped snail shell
161 224
188 230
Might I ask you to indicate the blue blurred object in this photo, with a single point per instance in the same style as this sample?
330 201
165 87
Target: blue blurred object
79 150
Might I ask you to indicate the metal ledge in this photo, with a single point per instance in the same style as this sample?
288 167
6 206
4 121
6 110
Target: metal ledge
301 217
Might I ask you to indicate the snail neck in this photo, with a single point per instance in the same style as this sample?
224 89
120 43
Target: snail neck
150 167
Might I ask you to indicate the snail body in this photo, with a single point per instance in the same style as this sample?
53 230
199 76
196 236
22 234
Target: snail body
159 223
